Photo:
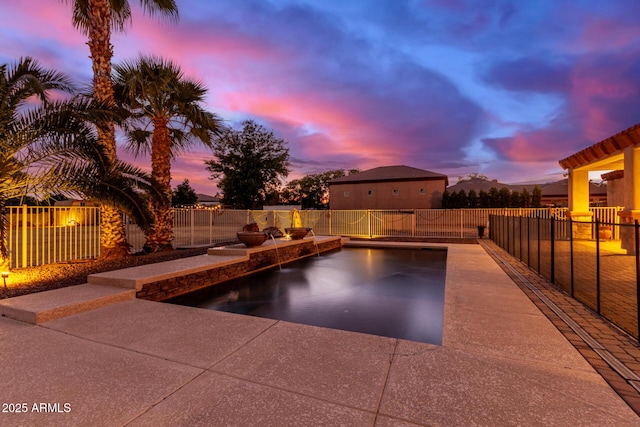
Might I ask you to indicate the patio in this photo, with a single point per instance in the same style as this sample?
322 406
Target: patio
137 362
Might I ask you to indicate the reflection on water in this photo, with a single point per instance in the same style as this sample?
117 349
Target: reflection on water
390 292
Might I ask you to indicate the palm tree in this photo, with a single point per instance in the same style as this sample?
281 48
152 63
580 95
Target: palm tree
96 19
64 157
18 83
53 146
165 118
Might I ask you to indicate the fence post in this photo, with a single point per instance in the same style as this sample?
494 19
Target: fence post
598 265
538 216
24 236
369 222
520 231
571 254
529 241
509 237
553 249
637 244
191 226
413 223
490 223
210 226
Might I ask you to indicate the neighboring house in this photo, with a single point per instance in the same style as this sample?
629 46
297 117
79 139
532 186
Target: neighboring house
557 194
206 200
72 202
477 185
388 187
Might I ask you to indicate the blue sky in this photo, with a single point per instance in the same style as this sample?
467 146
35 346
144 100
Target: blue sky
505 88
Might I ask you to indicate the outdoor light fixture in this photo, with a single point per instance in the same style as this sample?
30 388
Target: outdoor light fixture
5 274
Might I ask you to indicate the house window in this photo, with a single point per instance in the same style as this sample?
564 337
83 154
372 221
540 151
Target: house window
423 191
346 194
395 192
370 193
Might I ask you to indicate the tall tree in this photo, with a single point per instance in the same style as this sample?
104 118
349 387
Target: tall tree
525 198
166 117
248 163
536 197
184 195
504 197
472 199
484 200
515 199
96 19
446 200
18 83
311 191
494 198
463 200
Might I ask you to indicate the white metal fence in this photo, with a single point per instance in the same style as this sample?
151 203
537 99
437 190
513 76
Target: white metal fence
40 235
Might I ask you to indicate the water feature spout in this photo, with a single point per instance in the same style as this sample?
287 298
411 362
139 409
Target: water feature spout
277 254
314 241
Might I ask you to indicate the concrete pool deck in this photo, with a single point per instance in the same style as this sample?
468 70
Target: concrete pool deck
135 362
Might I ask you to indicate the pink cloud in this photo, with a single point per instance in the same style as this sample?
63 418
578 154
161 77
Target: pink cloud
339 131
44 20
198 47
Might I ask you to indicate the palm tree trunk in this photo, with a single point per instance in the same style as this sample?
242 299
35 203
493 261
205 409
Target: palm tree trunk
112 233
4 231
113 239
161 237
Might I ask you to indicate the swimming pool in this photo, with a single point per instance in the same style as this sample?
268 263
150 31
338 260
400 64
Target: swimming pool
397 293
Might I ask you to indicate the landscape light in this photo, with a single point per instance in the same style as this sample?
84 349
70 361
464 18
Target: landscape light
5 274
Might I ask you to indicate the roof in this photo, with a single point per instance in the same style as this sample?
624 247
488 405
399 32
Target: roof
561 189
552 189
390 173
477 185
204 198
617 174
607 147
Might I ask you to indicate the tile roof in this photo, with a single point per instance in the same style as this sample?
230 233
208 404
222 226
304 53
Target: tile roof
390 173
606 147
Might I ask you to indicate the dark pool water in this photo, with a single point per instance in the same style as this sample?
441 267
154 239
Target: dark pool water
389 292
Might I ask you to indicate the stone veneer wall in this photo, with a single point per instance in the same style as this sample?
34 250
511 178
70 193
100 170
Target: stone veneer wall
169 288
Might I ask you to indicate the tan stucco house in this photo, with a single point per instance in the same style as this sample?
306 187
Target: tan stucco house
388 187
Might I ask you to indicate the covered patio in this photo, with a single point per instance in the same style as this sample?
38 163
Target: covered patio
619 153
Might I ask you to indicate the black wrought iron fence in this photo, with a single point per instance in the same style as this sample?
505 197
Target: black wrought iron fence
597 263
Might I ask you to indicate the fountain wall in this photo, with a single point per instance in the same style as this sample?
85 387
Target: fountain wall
255 259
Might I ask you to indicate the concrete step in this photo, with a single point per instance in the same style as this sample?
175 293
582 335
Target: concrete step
136 277
42 307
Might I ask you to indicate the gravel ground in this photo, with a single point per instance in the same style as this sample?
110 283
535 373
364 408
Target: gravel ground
37 279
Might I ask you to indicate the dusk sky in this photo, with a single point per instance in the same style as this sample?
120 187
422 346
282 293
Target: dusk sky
505 88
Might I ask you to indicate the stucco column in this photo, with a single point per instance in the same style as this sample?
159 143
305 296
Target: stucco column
579 203
631 210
